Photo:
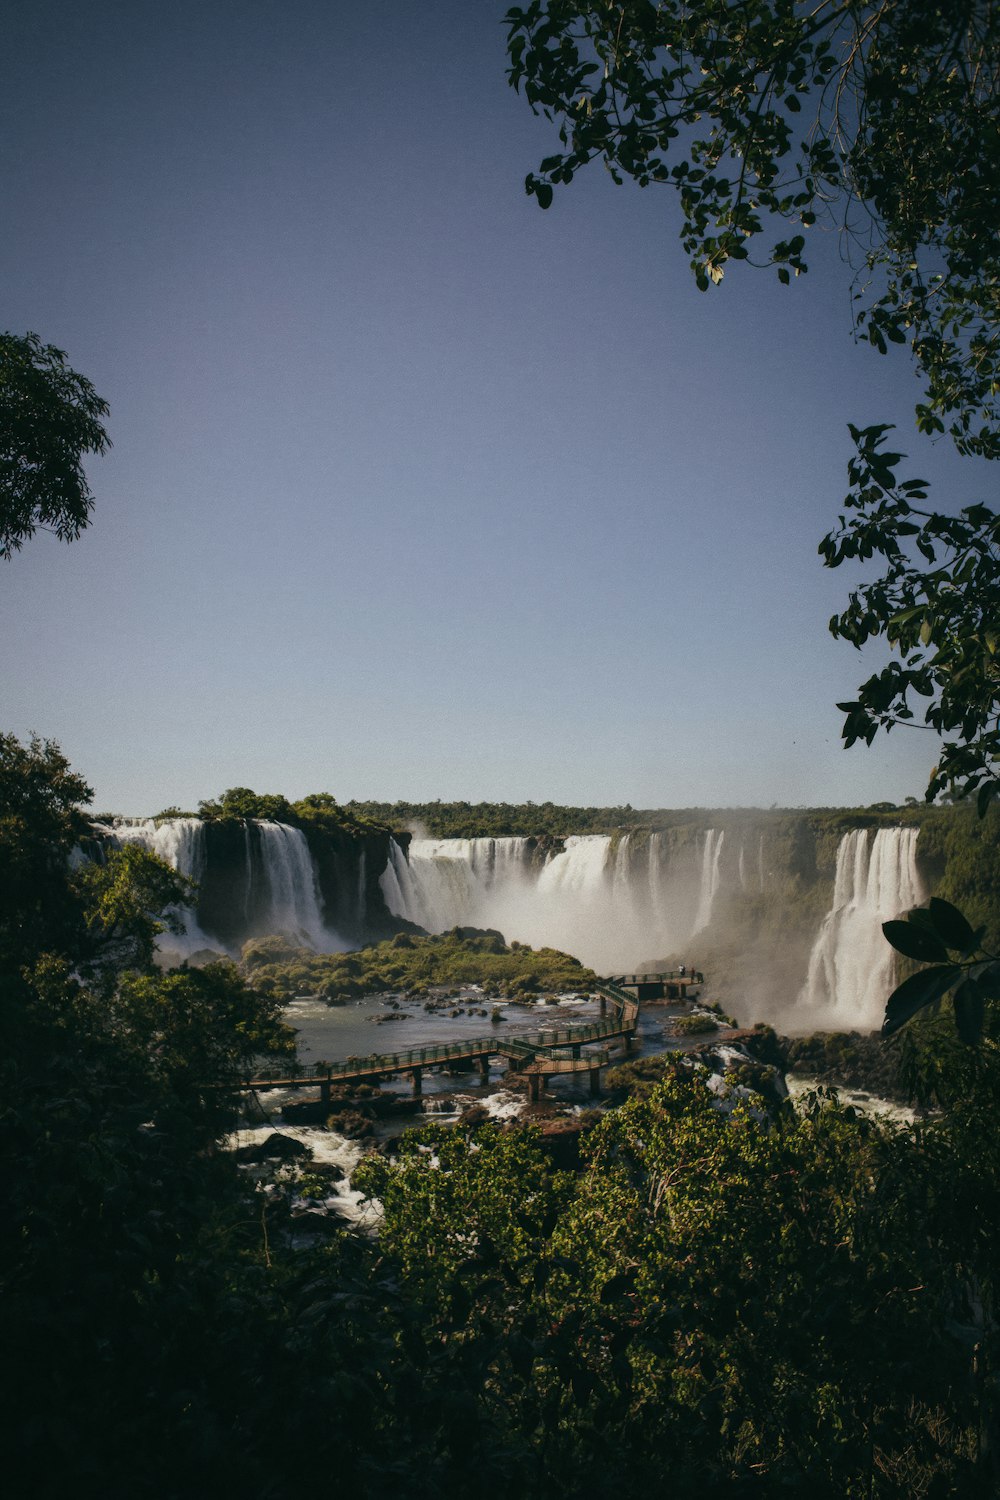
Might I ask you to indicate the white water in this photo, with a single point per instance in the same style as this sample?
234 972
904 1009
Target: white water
291 896
328 1148
455 882
711 856
179 842
612 909
852 969
279 889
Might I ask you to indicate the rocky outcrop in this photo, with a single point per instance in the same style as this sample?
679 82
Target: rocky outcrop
276 1147
851 1060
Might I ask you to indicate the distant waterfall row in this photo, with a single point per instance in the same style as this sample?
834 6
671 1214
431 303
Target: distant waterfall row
611 907
618 904
613 902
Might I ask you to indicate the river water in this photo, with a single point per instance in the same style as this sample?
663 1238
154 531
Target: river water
326 1033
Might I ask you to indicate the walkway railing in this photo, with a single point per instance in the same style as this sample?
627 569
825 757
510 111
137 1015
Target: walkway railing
525 1046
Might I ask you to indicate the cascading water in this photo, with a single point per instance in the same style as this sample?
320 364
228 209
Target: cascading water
751 880
710 875
273 884
179 842
456 882
611 907
852 968
291 897
615 902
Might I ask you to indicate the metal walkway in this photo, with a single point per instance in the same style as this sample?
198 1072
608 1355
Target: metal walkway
534 1054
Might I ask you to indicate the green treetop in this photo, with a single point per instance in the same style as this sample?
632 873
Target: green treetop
769 116
50 417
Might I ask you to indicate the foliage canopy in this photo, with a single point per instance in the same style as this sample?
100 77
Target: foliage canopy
747 1297
409 962
940 611
881 120
50 417
878 118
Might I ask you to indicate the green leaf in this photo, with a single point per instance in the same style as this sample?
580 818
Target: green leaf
969 1012
619 1286
915 941
916 992
987 977
951 926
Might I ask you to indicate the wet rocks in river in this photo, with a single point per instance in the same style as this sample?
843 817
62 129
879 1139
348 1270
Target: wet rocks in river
355 1125
275 1147
560 1139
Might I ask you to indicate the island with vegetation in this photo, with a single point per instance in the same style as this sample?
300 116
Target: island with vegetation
414 964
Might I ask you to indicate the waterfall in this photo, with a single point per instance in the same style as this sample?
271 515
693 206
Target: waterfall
749 878
617 903
611 910
445 883
291 903
852 969
179 842
275 887
711 855
396 883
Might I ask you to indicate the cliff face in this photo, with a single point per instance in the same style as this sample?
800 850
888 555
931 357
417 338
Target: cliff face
317 886
349 866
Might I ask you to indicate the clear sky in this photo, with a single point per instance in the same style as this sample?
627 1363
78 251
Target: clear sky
416 490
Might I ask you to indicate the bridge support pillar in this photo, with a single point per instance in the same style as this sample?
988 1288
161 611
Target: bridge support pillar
574 1051
595 1082
418 1082
324 1091
604 1006
534 1087
484 1067
629 1041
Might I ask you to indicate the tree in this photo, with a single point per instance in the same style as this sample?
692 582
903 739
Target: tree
41 821
109 908
130 897
881 119
50 417
744 1295
942 619
240 802
878 117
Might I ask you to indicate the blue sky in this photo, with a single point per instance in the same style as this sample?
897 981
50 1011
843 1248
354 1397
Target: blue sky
416 490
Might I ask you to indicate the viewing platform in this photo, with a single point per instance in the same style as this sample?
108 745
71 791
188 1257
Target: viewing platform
676 984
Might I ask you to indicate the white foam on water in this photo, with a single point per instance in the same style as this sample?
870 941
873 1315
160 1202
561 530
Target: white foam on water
327 1149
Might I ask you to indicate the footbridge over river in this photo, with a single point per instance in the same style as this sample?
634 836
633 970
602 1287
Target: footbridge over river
532 1055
